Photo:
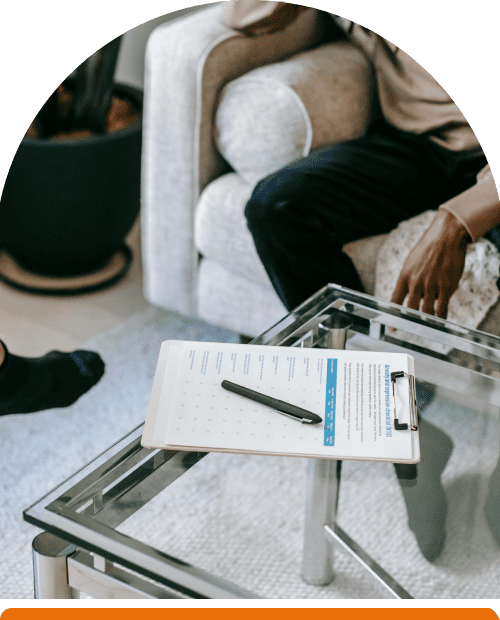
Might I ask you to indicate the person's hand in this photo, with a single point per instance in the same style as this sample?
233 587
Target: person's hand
433 268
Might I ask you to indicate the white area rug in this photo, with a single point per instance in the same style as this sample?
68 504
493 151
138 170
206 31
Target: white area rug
241 517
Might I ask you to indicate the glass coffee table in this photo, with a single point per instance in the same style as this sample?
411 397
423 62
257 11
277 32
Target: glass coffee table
138 523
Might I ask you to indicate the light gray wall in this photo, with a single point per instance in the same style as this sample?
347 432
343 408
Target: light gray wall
130 66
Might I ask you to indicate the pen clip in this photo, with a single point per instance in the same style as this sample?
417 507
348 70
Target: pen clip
295 417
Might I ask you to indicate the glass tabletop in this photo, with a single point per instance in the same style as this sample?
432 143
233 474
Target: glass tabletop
230 525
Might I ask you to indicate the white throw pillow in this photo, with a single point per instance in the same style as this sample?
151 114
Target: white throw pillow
278 113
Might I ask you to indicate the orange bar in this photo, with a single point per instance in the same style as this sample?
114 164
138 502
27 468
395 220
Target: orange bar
249 614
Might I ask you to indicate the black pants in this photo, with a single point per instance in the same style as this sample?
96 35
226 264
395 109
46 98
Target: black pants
301 216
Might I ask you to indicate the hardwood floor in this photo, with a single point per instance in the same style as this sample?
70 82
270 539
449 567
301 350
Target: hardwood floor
34 324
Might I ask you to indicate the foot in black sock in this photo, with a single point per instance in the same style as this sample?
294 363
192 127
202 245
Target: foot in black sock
425 497
55 380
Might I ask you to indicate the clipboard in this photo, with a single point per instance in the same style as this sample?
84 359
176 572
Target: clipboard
349 390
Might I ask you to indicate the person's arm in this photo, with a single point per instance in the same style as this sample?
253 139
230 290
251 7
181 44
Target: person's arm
478 207
432 270
256 18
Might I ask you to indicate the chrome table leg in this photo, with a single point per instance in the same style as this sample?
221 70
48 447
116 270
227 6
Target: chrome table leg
50 569
323 481
323 478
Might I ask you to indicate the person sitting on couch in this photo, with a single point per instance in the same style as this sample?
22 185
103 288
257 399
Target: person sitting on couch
419 154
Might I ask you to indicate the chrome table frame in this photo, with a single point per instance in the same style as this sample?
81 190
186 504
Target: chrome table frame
80 551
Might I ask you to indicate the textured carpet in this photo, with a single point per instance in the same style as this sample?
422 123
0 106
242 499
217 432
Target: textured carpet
238 516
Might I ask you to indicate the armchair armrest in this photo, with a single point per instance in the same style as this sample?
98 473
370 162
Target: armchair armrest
188 62
276 114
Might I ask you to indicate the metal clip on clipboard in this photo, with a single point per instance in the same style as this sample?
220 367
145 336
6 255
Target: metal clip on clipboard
413 402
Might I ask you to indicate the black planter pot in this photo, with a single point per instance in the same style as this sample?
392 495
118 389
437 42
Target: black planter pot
67 206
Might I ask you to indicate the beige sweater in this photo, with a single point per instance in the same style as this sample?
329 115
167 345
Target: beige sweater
410 99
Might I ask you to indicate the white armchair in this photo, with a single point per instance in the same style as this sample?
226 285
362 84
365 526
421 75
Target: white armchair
221 112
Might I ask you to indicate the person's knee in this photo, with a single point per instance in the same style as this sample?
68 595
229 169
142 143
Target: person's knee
272 197
262 203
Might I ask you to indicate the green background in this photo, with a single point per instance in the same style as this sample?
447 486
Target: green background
457 42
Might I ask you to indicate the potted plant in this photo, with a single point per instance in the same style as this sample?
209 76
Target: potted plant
73 191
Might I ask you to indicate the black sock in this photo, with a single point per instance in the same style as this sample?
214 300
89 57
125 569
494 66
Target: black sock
55 380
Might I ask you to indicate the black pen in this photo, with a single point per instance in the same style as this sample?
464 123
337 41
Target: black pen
296 413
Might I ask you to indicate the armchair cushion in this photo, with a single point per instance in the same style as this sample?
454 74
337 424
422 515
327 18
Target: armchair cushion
245 306
278 113
220 228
